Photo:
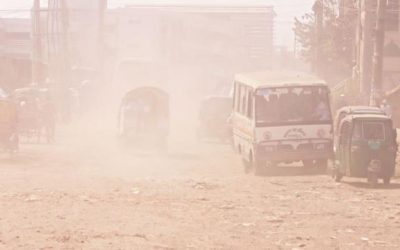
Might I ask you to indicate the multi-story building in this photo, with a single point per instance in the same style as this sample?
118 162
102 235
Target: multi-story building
209 43
15 51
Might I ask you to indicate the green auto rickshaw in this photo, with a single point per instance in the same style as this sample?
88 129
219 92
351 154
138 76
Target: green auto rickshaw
366 148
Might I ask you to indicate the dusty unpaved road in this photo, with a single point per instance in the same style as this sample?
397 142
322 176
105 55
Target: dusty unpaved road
84 193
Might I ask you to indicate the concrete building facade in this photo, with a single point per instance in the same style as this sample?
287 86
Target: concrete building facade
209 43
15 52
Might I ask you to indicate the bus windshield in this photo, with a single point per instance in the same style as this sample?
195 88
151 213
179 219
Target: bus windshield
292 105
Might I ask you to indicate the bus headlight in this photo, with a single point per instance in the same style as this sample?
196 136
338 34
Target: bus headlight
267 135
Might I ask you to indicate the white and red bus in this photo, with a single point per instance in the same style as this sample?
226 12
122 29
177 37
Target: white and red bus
282 117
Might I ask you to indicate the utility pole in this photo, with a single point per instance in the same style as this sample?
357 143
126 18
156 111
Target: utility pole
37 52
102 7
365 49
377 81
64 42
62 58
318 9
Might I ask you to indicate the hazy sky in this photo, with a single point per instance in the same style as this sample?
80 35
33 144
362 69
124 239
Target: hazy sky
286 11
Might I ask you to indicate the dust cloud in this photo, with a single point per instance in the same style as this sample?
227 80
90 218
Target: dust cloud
132 89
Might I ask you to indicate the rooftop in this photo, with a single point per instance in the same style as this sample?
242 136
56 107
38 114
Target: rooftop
368 117
201 8
279 78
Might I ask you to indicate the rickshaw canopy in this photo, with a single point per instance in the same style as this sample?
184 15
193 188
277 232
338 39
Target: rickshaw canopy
360 110
365 117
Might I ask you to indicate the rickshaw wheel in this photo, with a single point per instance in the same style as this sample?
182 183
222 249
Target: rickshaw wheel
372 179
337 176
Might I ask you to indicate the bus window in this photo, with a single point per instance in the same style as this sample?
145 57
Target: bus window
243 100
237 97
291 105
250 104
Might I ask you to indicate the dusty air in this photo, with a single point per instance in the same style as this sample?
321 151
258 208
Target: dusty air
225 124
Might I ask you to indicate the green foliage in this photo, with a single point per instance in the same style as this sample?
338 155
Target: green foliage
335 43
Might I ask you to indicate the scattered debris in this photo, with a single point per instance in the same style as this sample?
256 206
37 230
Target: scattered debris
87 199
272 219
248 224
227 207
204 186
377 242
364 238
32 198
162 247
135 191
142 236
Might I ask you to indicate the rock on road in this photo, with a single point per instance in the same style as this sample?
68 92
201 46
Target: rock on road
85 193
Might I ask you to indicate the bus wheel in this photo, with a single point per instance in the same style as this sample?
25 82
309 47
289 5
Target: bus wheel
259 167
247 166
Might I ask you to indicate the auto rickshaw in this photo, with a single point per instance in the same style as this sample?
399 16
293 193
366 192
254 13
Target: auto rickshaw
144 118
214 118
353 110
366 148
8 126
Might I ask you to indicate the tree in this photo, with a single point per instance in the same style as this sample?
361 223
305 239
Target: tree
331 49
